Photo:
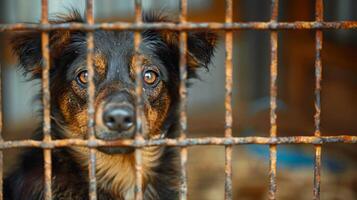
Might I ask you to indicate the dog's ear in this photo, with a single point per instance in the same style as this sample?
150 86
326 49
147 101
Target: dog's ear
26 45
200 44
201 47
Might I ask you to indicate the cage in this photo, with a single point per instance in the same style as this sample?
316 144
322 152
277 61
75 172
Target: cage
265 28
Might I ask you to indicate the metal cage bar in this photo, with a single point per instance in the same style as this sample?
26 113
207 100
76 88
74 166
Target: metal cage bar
273 97
91 97
228 193
183 96
46 102
47 144
318 75
139 101
217 141
298 25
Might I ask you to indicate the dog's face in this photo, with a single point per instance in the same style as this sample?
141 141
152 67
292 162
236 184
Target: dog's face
115 97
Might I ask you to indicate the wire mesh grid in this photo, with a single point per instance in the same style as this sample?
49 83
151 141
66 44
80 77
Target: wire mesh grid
47 144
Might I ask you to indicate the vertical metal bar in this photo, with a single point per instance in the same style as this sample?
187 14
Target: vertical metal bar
273 98
91 97
1 139
139 101
228 194
183 96
46 102
318 77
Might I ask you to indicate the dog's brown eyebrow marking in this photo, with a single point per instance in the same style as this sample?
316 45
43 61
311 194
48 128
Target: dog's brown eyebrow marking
144 61
100 63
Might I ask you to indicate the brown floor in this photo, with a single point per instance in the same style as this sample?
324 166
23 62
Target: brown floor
250 178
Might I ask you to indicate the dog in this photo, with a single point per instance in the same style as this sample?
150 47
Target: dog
115 105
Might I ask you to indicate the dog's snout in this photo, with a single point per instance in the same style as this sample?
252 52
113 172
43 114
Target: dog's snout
119 118
116 118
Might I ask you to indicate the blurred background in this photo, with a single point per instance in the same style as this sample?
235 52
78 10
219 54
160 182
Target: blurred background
251 95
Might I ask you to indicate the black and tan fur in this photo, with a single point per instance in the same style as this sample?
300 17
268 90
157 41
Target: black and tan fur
115 84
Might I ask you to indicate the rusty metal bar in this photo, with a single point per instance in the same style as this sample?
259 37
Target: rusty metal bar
139 102
228 192
1 140
318 75
46 102
91 97
347 139
299 25
273 98
183 96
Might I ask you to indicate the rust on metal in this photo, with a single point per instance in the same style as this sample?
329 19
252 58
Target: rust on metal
139 103
91 96
273 98
183 99
317 117
47 144
347 139
228 192
46 102
305 25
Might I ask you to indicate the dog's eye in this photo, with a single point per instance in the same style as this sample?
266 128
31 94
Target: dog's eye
82 77
150 77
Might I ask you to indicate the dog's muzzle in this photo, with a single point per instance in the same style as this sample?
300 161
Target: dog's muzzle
119 118
117 121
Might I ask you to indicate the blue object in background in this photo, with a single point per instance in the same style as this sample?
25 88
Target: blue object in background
294 157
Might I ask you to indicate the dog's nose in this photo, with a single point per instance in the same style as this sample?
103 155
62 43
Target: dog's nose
119 118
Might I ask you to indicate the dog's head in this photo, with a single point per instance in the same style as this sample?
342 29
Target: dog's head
115 97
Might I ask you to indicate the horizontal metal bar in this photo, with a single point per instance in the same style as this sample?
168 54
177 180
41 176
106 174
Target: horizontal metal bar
181 142
183 26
